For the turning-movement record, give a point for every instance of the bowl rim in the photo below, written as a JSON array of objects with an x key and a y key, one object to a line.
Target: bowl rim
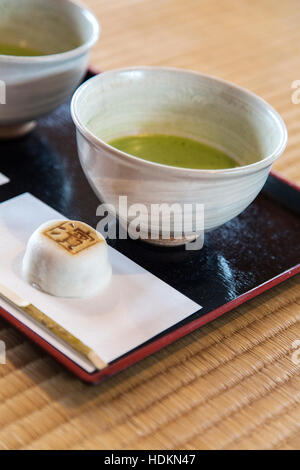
[
  {"x": 99, "y": 143},
  {"x": 66, "y": 55}
]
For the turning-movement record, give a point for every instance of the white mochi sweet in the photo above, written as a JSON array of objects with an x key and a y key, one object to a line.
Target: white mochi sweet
[{"x": 67, "y": 258}]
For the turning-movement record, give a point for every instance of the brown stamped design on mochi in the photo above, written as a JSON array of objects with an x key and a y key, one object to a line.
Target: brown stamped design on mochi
[{"x": 74, "y": 237}]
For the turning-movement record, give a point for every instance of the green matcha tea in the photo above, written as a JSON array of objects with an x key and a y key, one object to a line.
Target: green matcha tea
[
  {"x": 174, "y": 151},
  {"x": 11, "y": 49}
]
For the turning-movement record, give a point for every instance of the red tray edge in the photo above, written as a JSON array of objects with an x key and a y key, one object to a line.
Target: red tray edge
[
  {"x": 151, "y": 348},
  {"x": 282, "y": 178},
  {"x": 160, "y": 343}
]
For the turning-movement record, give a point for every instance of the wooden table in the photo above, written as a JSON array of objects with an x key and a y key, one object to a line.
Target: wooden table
[{"x": 233, "y": 383}]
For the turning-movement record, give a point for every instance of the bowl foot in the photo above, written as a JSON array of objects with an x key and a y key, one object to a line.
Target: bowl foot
[
  {"x": 16, "y": 131},
  {"x": 175, "y": 242}
]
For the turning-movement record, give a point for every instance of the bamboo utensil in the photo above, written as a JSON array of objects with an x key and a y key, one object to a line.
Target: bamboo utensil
[{"x": 51, "y": 326}]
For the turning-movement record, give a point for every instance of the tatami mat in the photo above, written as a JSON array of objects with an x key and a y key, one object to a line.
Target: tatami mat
[{"x": 233, "y": 383}]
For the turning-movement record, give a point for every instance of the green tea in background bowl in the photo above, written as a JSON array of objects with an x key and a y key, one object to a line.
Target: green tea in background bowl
[
  {"x": 174, "y": 151},
  {"x": 19, "y": 50}
]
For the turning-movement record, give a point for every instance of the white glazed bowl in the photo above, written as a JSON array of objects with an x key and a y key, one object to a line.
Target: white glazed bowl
[
  {"x": 185, "y": 103},
  {"x": 63, "y": 30}
]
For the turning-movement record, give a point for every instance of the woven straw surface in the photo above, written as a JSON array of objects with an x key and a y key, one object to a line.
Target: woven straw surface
[{"x": 232, "y": 384}]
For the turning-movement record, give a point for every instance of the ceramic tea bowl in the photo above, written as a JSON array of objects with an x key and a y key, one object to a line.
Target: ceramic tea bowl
[
  {"x": 64, "y": 32},
  {"x": 176, "y": 102}
]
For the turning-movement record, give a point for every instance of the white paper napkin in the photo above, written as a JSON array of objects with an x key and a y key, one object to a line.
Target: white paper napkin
[
  {"x": 135, "y": 306},
  {"x": 3, "y": 179}
]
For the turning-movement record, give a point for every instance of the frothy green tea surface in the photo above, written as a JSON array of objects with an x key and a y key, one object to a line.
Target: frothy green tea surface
[
  {"x": 174, "y": 151},
  {"x": 11, "y": 49}
]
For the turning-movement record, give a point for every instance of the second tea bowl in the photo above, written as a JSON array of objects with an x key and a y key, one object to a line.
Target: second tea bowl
[{"x": 32, "y": 86}]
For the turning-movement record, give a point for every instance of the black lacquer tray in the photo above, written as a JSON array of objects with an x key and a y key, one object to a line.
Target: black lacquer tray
[{"x": 241, "y": 259}]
